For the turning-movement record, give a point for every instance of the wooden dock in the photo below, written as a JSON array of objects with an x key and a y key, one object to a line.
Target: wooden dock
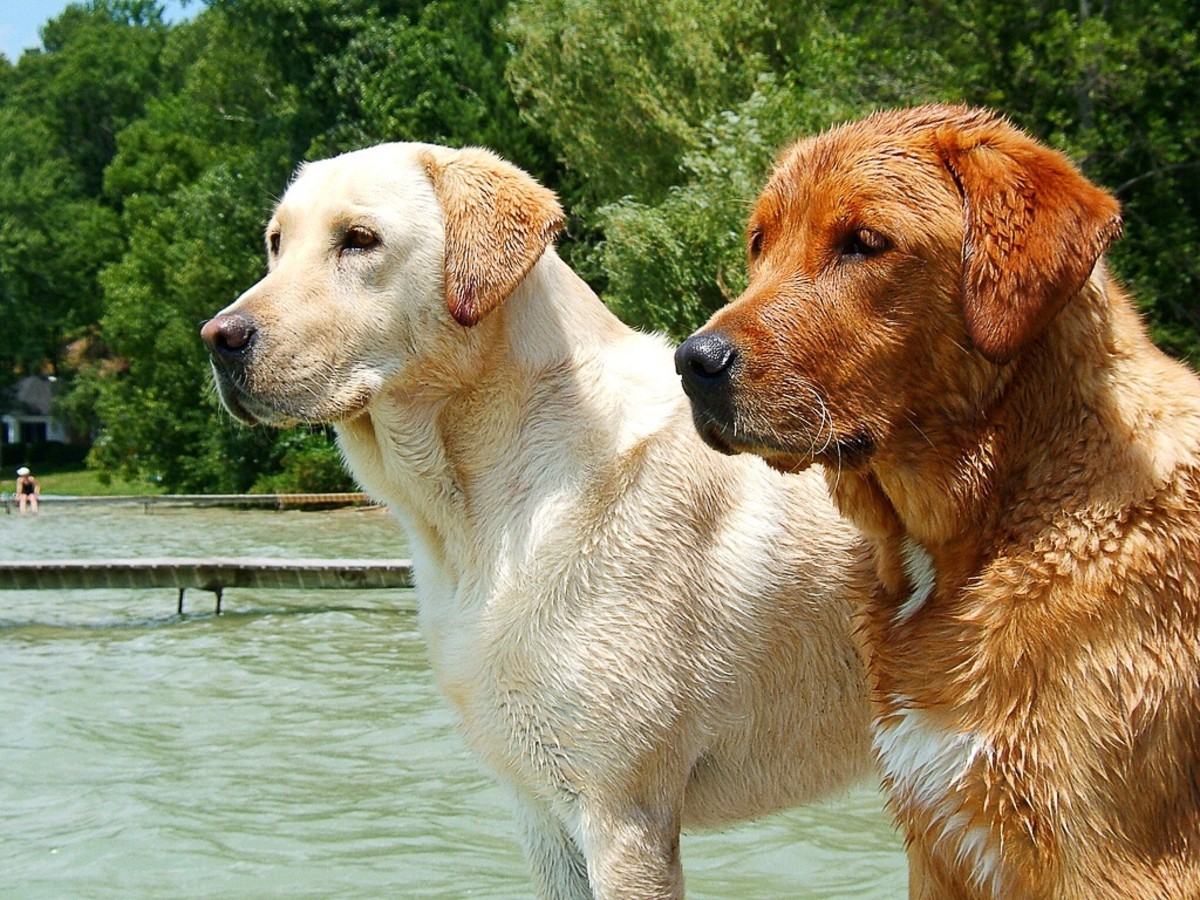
[
  {"x": 213, "y": 575},
  {"x": 149, "y": 502}
]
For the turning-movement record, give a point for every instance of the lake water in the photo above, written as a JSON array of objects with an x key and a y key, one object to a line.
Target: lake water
[{"x": 294, "y": 746}]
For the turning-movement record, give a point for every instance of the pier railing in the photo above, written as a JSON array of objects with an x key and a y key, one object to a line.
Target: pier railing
[
  {"x": 244, "y": 501},
  {"x": 213, "y": 575}
]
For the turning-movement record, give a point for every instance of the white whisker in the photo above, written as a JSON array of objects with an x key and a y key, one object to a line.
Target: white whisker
[{"x": 913, "y": 423}]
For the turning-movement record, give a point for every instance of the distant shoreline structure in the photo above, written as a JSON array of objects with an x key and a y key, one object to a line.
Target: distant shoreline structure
[{"x": 243, "y": 501}]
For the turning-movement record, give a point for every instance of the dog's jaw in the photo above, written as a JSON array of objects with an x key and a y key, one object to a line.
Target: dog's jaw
[
  {"x": 232, "y": 399},
  {"x": 253, "y": 408},
  {"x": 716, "y": 437}
]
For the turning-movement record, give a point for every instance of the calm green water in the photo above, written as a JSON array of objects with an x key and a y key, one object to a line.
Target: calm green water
[{"x": 294, "y": 746}]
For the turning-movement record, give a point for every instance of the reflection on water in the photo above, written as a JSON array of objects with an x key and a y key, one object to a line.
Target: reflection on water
[{"x": 293, "y": 747}]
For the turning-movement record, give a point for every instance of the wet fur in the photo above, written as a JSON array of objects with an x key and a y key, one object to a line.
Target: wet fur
[
  {"x": 1025, "y": 467},
  {"x": 637, "y": 633}
]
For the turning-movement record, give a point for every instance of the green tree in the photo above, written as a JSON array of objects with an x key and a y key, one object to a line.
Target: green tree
[
  {"x": 160, "y": 413},
  {"x": 98, "y": 66},
  {"x": 435, "y": 75},
  {"x": 676, "y": 146},
  {"x": 623, "y": 89},
  {"x": 673, "y": 115},
  {"x": 53, "y": 240},
  {"x": 195, "y": 178},
  {"x": 60, "y": 109}
]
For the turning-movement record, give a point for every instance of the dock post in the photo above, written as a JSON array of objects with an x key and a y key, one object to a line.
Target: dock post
[
  {"x": 181, "y": 590},
  {"x": 220, "y": 592}
]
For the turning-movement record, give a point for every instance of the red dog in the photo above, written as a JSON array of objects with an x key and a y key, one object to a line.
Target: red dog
[{"x": 930, "y": 318}]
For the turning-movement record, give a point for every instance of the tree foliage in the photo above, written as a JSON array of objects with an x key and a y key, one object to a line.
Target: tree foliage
[
  {"x": 139, "y": 160},
  {"x": 60, "y": 111}
]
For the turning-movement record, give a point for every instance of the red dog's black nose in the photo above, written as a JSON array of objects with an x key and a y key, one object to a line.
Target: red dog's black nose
[
  {"x": 229, "y": 335},
  {"x": 705, "y": 358}
]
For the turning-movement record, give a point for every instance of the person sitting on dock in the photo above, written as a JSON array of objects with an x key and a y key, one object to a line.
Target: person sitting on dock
[{"x": 28, "y": 491}]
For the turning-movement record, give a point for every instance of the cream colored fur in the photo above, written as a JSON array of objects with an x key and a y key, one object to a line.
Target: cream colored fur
[{"x": 636, "y": 632}]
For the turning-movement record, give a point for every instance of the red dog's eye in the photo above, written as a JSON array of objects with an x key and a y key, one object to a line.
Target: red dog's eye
[
  {"x": 863, "y": 242},
  {"x": 756, "y": 243}
]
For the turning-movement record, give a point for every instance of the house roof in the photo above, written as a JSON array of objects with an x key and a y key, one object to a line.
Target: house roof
[{"x": 31, "y": 396}]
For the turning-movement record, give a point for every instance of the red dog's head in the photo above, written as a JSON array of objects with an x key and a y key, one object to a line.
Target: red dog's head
[{"x": 897, "y": 264}]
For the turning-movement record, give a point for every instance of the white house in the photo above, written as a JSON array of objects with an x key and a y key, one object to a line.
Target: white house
[{"x": 29, "y": 408}]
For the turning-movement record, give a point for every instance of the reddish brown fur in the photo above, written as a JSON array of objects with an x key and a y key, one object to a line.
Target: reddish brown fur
[{"x": 990, "y": 394}]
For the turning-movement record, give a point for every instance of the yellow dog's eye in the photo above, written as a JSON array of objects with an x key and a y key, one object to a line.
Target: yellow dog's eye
[
  {"x": 863, "y": 242},
  {"x": 273, "y": 243},
  {"x": 357, "y": 239}
]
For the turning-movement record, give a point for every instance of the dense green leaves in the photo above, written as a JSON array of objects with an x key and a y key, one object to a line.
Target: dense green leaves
[
  {"x": 669, "y": 261},
  {"x": 436, "y": 76},
  {"x": 54, "y": 238},
  {"x": 99, "y": 67},
  {"x": 185, "y": 260},
  {"x": 139, "y": 161},
  {"x": 624, "y": 88}
]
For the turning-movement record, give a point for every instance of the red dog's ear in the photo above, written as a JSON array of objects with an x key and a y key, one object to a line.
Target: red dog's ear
[
  {"x": 1035, "y": 227},
  {"x": 498, "y": 223}
]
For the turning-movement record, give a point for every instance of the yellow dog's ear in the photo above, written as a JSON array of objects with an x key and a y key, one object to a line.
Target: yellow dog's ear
[
  {"x": 498, "y": 223},
  {"x": 1035, "y": 227}
]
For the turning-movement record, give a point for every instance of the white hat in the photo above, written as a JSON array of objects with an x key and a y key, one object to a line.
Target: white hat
[{"x": 22, "y": 471}]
